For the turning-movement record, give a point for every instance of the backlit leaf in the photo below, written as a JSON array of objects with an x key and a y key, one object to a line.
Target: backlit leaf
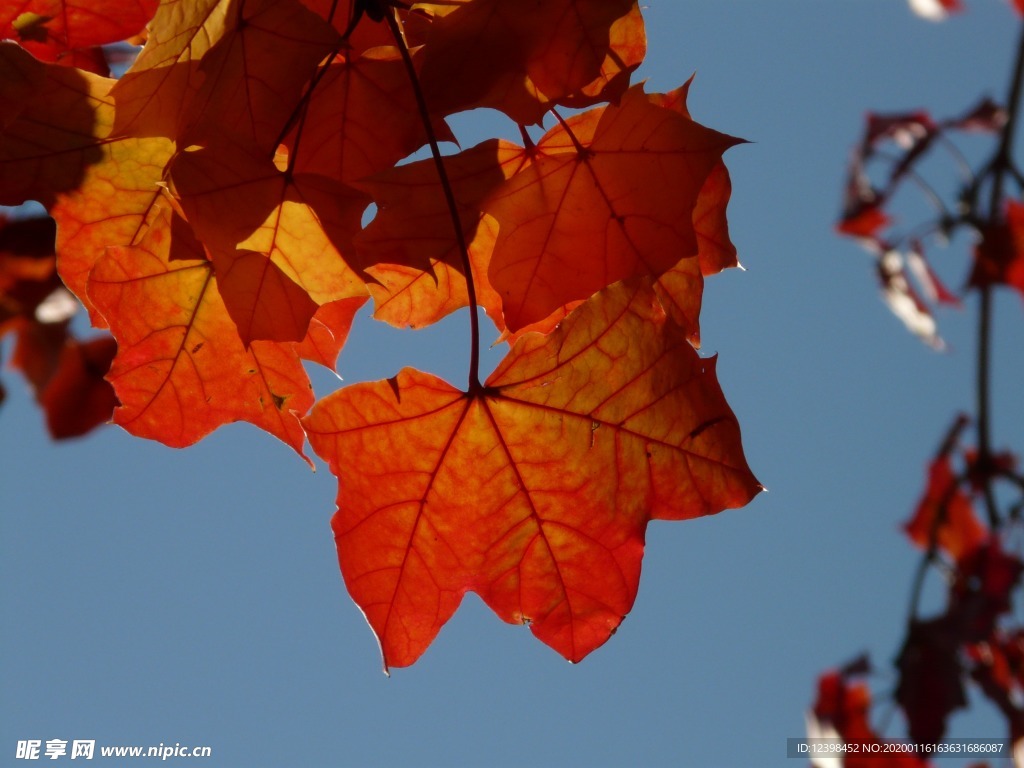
[
  {"x": 572, "y": 222},
  {"x": 523, "y": 57},
  {"x": 302, "y": 223},
  {"x": 339, "y": 133},
  {"x": 181, "y": 369},
  {"x": 59, "y": 151},
  {"x": 410, "y": 246},
  {"x": 534, "y": 491}
]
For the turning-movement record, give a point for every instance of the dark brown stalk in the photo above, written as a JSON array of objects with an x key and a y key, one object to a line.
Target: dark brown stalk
[
  {"x": 1000, "y": 165},
  {"x": 449, "y": 196}
]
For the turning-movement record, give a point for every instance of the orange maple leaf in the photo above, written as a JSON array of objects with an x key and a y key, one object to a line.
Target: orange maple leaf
[
  {"x": 410, "y": 247},
  {"x": 339, "y": 132},
  {"x": 181, "y": 369},
  {"x": 609, "y": 196},
  {"x": 206, "y": 66},
  {"x": 536, "y": 490},
  {"x": 300, "y": 225},
  {"x": 209, "y": 208},
  {"x": 58, "y": 148}
]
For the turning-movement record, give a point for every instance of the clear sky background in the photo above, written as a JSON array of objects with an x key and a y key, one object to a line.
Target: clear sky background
[{"x": 150, "y": 595}]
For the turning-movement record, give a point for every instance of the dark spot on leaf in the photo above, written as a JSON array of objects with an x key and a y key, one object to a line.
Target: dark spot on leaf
[
  {"x": 393, "y": 383},
  {"x": 706, "y": 425}
]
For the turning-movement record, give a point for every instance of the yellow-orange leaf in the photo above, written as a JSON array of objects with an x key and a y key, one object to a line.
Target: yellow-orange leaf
[
  {"x": 152, "y": 96},
  {"x": 59, "y": 151},
  {"x": 238, "y": 201},
  {"x": 535, "y": 490},
  {"x": 181, "y": 369}
]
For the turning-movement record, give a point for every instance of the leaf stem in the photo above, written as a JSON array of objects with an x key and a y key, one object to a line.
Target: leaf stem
[
  {"x": 583, "y": 151},
  {"x": 449, "y": 196}
]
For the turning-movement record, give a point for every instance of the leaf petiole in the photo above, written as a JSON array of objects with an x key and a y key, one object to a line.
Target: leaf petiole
[{"x": 449, "y": 196}]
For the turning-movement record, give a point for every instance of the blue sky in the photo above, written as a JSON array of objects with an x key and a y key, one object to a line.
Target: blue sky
[{"x": 151, "y": 595}]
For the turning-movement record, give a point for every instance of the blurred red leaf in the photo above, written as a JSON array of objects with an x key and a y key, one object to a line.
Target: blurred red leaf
[
  {"x": 842, "y": 709},
  {"x": 982, "y": 590},
  {"x": 77, "y": 398},
  {"x": 936, "y": 10},
  {"x": 930, "y": 684},
  {"x": 999, "y": 256},
  {"x": 945, "y": 515}
]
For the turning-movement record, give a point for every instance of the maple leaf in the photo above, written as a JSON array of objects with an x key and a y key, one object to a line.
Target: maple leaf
[
  {"x": 341, "y": 14},
  {"x": 281, "y": 254},
  {"x": 27, "y": 266},
  {"x": 534, "y": 491},
  {"x": 49, "y": 130},
  {"x": 181, "y": 368},
  {"x": 244, "y": 92},
  {"x": 410, "y": 247},
  {"x": 208, "y": 208},
  {"x": 608, "y": 196},
  {"x": 65, "y": 373},
  {"x": 680, "y": 289},
  {"x": 981, "y": 593},
  {"x": 930, "y": 677},
  {"x": 339, "y": 133},
  {"x": 58, "y": 149},
  {"x": 328, "y": 331},
  {"x": 523, "y": 58},
  {"x": 77, "y": 397}
]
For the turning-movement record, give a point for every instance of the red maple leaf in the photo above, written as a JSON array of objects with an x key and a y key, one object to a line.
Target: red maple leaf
[
  {"x": 65, "y": 373},
  {"x": 442, "y": 491}
]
